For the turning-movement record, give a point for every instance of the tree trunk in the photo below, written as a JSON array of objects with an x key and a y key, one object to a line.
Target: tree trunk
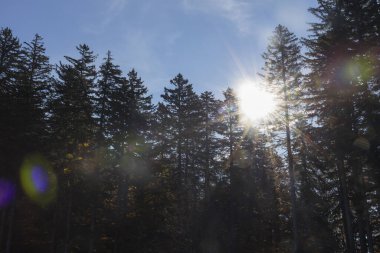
[
  {"x": 10, "y": 227},
  {"x": 292, "y": 186},
  {"x": 346, "y": 211},
  {"x": 2, "y": 226},
  {"x": 232, "y": 214},
  {"x": 123, "y": 192},
  {"x": 293, "y": 196},
  {"x": 207, "y": 169},
  {"x": 54, "y": 227},
  {"x": 68, "y": 223},
  {"x": 92, "y": 229},
  {"x": 290, "y": 154},
  {"x": 369, "y": 234}
]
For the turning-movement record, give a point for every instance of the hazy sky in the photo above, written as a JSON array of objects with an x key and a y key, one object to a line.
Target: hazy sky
[{"x": 213, "y": 43}]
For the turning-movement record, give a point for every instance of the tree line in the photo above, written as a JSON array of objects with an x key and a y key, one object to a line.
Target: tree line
[{"x": 88, "y": 163}]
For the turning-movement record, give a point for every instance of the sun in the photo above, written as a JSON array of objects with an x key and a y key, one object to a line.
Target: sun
[{"x": 255, "y": 103}]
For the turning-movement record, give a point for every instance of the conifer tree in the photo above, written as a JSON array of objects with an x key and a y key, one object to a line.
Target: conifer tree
[
  {"x": 231, "y": 132},
  {"x": 110, "y": 79},
  {"x": 34, "y": 84},
  {"x": 180, "y": 114},
  {"x": 282, "y": 72},
  {"x": 10, "y": 66},
  {"x": 231, "y": 129},
  {"x": 73, "y": 128},
  {"x": 129, "y": 125},
  {"x": 209, "y": 143},
  {"x": 72, "y": 109},
  {"x": 339, "y": 78}
]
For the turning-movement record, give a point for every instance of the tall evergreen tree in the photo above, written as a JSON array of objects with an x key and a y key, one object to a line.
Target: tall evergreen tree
[
  {"x": 72, "y": 109},
  {"x": 33, "y": 89},
  {"x": 73, "y": 128},
  {"x": 209, "y": 142},
  {"x": 110, "y": 79},
  {"x": 340, "y": 83},
  {"x": 231, "y": 132},
  {"x": 10, "y": 66},
  {"x": 180, "y": 115},
  {"x": 282, "y": 71},
  {"x": 129, "y": 126}
]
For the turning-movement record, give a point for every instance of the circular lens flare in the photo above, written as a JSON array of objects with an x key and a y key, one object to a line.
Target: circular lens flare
[
  {"x": 255, "y": 103},
  {"x": 38, "y": 180},
  {"x": 7, "y": 191}
]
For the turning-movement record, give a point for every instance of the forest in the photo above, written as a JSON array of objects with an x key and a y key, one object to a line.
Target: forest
[{"x": 88, "y": 163}]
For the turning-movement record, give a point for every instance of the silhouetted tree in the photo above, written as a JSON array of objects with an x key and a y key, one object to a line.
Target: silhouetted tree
[{"x": 282, "y": 72}]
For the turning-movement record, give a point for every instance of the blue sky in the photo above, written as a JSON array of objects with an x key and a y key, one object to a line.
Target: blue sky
[{"x": 213, "y": 43}]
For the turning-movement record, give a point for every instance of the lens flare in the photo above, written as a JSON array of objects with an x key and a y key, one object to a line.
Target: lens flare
[
  {"x": 38, "y": 180},
  {"x": 7, "y": 191}
]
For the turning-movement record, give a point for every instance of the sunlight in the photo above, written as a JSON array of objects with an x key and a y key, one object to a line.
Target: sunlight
[{"x": 255, "y": 103}]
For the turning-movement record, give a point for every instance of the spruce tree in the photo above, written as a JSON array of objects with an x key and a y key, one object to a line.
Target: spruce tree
[
  {"x": 129, "y": 126},
  {"x": 10, "y": 159},
  {"x": 73, "y": 128},
  {"x": 10, "y": 66},
  {"x": 34, "y": 85},
  {"x": 209, "y": 143},
  {"x": 339, "y": 85},
  {"x": 110, "y": 79},
  {"x": 231, "y": 132},
  {"x": 72, "y": 108},
  {"x": 282, "y": 72},
  {"x": 180, "y": 116}
]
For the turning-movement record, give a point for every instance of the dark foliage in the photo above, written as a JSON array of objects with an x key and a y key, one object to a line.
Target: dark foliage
[{"x": 89, "y": 164}]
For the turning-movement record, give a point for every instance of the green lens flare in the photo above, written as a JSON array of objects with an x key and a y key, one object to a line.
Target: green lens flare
[{"x": 38, "y": 180}]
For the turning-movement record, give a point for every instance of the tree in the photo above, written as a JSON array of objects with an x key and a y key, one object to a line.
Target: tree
[
  {"x": 110, "y": 79},
  {"x": 73, "y": 128},
  {"x": 34, "y": 84},
  {"x": 340, "y": 84},
  {"x": 179, "y": 113},
  {"x": 129, "y": 126},
  {"x": 72, "y": 108},
  {"x": 282, "y": 71},
  {"x": 231, "y": 132},
  {"x": 209, "y": 142},
  {"x": 10, "y": 65}
]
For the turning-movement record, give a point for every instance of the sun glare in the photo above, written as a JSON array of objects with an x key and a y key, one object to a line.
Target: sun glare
[{"x": 255, "y": 103}]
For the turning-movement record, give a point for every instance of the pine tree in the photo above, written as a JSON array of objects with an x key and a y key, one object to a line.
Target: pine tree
[
  {"x": 110, "y": 79},
  {"x": 339, "y": 83},
  {"x": 131, "y": 108},
  {"x": 259, "y": 196},
  {"x": 129, "y": 126},
  {"x": 315, "y": 191},
  {"x": 282, "y": 72},
  {"x": 34, "y": 84},
  {"x": 10, "y": 65},
  {"x": 209, "y": 149},
  {"x": 176, "y": 106},
  {"x": 231, "y": 132},
  {"x": 72, "y": 108},
  {"x": 73, "y": 128},
  {"x": 180, "y": 116},
  {"x": 103, "y": 182},
  {"x": 10, "y": 59}
]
